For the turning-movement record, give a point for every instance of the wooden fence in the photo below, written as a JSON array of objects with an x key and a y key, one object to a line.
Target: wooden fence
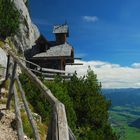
[
  {"x": 48, "y": 74},
  {"x": 58, "y": 129}
]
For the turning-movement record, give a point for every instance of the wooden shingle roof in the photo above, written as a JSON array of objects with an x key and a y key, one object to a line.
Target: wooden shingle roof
[
  {"x": 56, "y": 51},
  {"x": 58, "y": 29}
]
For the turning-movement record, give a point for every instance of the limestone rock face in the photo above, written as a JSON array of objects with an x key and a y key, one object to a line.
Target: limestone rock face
[
  {"x": 28, "y": 32},
  {"x": 3, "y": 58}
]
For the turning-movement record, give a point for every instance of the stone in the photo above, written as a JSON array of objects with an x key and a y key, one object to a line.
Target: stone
[
  {"x": 3, "y": 58},
  {"x": 3, "y": 90},
  {"x": 36, "y": 117},
  {"x": 25, "y": 137},
  {"x": 25, "y": 1},
  {"x": 21, "y": 105}
]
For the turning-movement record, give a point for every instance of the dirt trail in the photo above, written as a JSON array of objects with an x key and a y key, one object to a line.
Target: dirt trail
[{"x": 6, "y": 120}]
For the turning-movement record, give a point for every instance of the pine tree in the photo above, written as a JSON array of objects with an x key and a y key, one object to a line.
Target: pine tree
[{"x": 91, "y": 108}]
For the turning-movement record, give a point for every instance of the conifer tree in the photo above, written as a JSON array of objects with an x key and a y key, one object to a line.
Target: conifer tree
[{"x": 91, "y": 108}]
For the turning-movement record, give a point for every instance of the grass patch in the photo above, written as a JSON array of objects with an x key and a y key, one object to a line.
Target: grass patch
[
  {"x": 26, "y": 125},
  {"x": 42, "y": 128}
]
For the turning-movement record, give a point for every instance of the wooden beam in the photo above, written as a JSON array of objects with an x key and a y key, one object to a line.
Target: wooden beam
[
  {"x": 10, "y": 93},
  {"x": 29, "y": 114},
  {"x": 54, "y": 71},
  {"x": 51, "y": 75},
  {"x": 74, "y": 63},
  {"x": 58, "y": 129},
  {"x": 61, "y": 122},
  {"x": 71, "y": 135},
  {"x": 8, "y": 66},
  {"x": 18, "y": 116},
  {"x": 34, "y": 64}
]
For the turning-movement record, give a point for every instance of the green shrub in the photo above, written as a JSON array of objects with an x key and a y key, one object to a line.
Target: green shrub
[
  {"x": 40, "y": 103},
  {"x": 59, "y": 90},
  {"x": 91, "y": 108},
  {"x": 36, "y": 98},
  {"x": 9, "y": 18},
  {"x": 26, "y": 125}
]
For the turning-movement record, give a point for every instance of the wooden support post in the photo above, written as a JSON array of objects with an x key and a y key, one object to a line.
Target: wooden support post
[
  {"x": 62, "y": 123},
  {"x": 10, "y": 93},
  {"x": 18, "y": 116},
  {"x": 29, "y": 114},
  {"x": 59, "y": 127},
  {"x": 71, "y": 135},
  {"x": 41, "y": 75},
  {"x": 7, "y": 69}
]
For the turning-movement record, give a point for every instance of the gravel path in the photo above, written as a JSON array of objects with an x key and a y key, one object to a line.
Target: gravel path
[{"x": 6, "y": 119}]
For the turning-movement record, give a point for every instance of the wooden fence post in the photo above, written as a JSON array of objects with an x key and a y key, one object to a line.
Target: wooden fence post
[
  {"x": 10, "y": 93},
  {"x": 59, "y": 127},
  {"x": 71, "y": 135},
  {"x": 28, "y": 111},
  {"x": 7, "y": 69},
  {"x": 18, "y": 116}
]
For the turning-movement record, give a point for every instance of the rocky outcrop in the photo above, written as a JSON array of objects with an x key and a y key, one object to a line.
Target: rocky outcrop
[
  {"x": 3, "y": 58},
  {"x": 28, "y": 32}
]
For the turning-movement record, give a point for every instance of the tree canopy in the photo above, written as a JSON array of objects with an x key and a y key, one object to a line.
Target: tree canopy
[{"x": 91, "y": 108}]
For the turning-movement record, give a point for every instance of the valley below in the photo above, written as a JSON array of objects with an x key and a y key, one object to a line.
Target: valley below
[{"x": 125, "y": 112}]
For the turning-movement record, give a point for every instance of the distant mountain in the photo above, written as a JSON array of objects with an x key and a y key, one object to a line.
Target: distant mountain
[
  {"x": 121, "y": 90},
  {"x": 123, "y": 97}
]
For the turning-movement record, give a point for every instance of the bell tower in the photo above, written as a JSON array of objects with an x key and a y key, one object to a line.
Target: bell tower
[{"x": 61, "y": 33}]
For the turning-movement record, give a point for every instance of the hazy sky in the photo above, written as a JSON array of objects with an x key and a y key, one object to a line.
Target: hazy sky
[{"x": 106, "y": 31}]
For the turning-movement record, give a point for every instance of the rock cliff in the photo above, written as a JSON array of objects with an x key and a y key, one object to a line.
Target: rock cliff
[
  {"x": 28, "y": 32},
  {"x": 3, "y": 58}
]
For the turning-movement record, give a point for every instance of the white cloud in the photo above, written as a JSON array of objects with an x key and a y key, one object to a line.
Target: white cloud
[
  {"x": 90, "y": 18},
  {"x": 136, "y": 65},
  {"x": 111, "y": 75}
]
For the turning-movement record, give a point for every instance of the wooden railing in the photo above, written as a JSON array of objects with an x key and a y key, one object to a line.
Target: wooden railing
[
  {"x": 46, "y": 73},
  {"x": 58, "y": 129}
]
